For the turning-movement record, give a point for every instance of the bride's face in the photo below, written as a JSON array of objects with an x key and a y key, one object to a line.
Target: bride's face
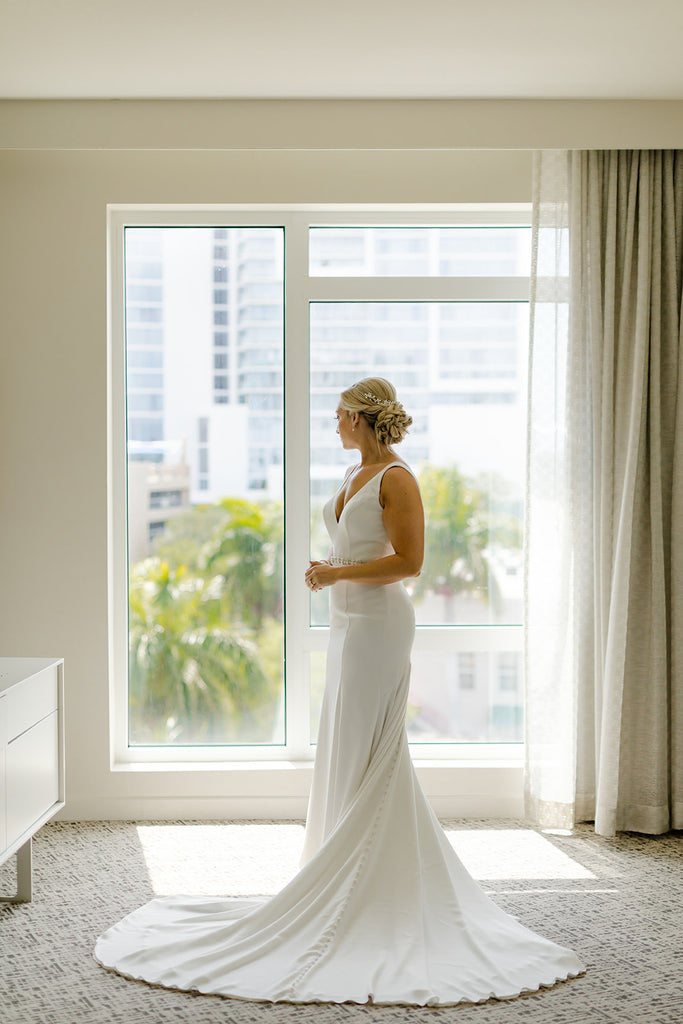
[{"x": 345, "y": 427}]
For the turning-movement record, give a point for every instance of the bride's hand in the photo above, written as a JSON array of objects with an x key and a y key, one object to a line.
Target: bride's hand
[{"x": 319, "y": 575}]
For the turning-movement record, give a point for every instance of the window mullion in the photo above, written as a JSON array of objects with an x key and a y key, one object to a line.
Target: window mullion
[
  {"x": 420, "y": 289},
  {"x": 118, "y": 526},
  {"x": 297, "y": 461},
  {"x": 469, "y": 638}
]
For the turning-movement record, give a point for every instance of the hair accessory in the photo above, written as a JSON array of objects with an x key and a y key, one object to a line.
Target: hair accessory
[{"x": 377, "y": 401}]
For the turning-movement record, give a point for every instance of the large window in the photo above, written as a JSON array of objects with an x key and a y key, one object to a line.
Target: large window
[{"x": 225, "y": 452}]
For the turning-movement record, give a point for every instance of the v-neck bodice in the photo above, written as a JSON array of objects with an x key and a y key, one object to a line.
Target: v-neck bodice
[
  {"x": 380, "y": 473},
  {"x": 359, "y": 534}
]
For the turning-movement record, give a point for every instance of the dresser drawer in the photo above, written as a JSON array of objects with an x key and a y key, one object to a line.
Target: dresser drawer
[
  {"x": 30, "y": 700},
  {"x": 32, "y": 775}
]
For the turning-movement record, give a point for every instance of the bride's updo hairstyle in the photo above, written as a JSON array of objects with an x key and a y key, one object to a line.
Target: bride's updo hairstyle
[{"x": 375, "y": 399}]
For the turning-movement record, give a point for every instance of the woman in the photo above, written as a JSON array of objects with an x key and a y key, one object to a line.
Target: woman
[
  {"x": 377, "y": 542},
  {"x": 382, "y": 909}
]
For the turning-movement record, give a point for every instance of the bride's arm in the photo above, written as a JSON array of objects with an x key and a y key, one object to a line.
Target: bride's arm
[{"x": 404, "y": 522}]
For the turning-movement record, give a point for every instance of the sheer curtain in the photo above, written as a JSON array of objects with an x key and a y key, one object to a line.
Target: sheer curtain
[{"x": 604, "y": 560}]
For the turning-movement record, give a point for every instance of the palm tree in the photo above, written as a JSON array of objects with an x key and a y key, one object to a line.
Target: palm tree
[
  {"x": 456, "y": 539},
  {"x": 205, "y": 629},
  {"x": 192, "y": 677},
  {"x": 246, "y": 549}
]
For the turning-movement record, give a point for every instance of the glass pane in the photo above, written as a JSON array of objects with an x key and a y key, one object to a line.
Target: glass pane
[
  {"x": 460, "y": 371},
  {"x": 205, "y": 485},
  {"x": 317, "y": 685},
  {"x": 466, "y": 697},
  {"x": 420, "y": 252},
  {"x": 455, "y": 697}
]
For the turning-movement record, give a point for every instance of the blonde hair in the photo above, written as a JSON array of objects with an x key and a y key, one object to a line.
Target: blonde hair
[{"x": 375, "y": 399}]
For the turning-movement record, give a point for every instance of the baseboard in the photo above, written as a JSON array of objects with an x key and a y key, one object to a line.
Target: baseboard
[{"x": 455, "y": 790}]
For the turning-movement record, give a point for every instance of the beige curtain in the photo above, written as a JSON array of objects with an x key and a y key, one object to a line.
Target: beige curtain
[{"x": 604, "y": 562}]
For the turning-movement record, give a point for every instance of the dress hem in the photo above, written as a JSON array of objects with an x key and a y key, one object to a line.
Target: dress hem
[{"x": 427, "y": 1004}]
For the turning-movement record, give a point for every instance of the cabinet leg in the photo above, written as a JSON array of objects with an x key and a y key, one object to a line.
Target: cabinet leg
[
  {"x": 24, "y": 875},
  {"x": 25, "y": 872}
]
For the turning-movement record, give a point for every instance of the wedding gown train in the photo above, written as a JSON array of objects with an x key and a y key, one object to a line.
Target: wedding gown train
[{"x": 382, "y": 909}]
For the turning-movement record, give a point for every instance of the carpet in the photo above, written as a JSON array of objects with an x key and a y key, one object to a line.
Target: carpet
[{"x": 618, "y": 903}]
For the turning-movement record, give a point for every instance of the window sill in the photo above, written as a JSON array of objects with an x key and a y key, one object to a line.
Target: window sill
[{"x": 192, "y": 767}]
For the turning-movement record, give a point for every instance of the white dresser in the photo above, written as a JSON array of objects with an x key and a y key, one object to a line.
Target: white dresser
[{"x": 31, "y": 757}]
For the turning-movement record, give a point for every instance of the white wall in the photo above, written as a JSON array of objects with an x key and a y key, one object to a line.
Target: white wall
[{"x": 61, "y": 168}]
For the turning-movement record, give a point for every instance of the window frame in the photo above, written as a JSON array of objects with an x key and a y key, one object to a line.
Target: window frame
[{"x": 300, "y": 289}]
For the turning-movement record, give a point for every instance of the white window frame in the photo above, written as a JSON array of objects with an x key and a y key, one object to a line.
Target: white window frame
[{"x": 300, "y": 290}]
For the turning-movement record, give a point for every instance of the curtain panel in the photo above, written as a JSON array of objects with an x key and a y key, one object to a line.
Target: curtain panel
[{"x": 604, "y": 556}]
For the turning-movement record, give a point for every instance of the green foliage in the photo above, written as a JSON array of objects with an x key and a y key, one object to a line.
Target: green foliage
[
  {"x": 246, "y": 549},
  {"x": 470, "y": 524},
  {"x": 205, "y": 628},
  {"x": 184, "y": 536},
  {"x": 457, "y": 535}
]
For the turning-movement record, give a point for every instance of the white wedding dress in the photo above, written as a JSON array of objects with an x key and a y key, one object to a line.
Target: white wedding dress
[{"x": 382, "y": 909}]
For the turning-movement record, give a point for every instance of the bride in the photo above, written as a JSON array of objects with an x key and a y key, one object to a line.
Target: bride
[{"x": 382, "y": 909}]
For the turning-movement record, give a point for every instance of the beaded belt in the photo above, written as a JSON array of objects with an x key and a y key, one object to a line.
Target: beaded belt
[{"x": 333, "y": 560}]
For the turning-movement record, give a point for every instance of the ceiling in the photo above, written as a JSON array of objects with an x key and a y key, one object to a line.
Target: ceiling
[{"x": 100, "y": 49}]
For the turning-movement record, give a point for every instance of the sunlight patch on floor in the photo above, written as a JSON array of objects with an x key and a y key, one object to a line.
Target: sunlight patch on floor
[
  {"x": 236, "y": 860},
  {"x": 512, "y": 853},
  {"x": 259, "y": 859}
]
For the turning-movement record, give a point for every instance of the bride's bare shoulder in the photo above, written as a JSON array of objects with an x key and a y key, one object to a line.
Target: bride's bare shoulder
[{"x": 399, "y": 486}]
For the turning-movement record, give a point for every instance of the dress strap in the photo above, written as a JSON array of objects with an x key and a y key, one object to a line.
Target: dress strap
[
  {"x": 390, "y": 466},
  {"x": 347, "y": 474}
]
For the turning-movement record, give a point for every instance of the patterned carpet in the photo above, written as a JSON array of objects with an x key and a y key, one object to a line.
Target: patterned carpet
[{"x": 617, "y": 902}]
